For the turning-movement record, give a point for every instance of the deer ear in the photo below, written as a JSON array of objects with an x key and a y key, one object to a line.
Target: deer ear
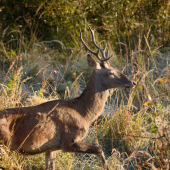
[{"x": 92, "y": 62}]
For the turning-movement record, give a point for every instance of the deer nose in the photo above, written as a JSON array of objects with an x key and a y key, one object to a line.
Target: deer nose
[{"x": 134, "y": 83}]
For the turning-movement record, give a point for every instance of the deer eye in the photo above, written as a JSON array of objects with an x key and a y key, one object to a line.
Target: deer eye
[{"x": 111, "y": 73}]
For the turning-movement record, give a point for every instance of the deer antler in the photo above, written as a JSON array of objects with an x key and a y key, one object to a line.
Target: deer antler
[
  {"x": 104, "y": 52},
  {"x": 87, "y": 48}
]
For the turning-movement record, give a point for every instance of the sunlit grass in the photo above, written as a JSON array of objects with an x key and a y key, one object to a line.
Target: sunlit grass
[{"x": 134, "y": 128}]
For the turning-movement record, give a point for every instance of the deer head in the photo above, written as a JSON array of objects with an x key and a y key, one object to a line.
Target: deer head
[{"x": 109, "y": 77}]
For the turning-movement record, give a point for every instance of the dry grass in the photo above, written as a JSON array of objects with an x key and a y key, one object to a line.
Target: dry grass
[{"x": 134, "y": 129}]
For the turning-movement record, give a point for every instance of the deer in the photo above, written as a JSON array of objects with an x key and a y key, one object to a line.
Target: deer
[{"x": 62, "y": 124}]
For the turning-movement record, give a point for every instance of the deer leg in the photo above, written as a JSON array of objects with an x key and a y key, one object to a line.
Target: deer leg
[
  {"x": 80, "y": 147},
  {"x": 50, "y": 160}
]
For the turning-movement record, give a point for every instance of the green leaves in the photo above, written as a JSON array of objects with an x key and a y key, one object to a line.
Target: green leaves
[
  {"x": 153, "y": 128},
  {"x": 59, "y": 19}
]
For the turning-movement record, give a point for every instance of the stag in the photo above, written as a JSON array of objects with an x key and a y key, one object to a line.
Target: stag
[{"x": 62, "y": 124}]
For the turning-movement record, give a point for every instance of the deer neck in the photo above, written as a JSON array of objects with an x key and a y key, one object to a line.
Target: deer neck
[{"x": 93, "y": 99}]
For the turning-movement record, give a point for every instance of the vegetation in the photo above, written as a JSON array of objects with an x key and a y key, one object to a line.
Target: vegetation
[{"x": 41, "y": 59}]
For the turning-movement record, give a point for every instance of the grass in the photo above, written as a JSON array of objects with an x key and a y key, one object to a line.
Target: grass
[{"x": 134, "y": 128}]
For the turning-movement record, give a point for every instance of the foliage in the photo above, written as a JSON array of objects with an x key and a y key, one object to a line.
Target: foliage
[{"x": 117, "y": 21}]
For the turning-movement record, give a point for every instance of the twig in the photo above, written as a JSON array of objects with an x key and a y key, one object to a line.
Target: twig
[{"x": 143, "y": 136}]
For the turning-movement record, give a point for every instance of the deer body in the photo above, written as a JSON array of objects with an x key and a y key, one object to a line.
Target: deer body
[
  {"x": 53, "y": 121},
  {"x": 62, "y": 124}
]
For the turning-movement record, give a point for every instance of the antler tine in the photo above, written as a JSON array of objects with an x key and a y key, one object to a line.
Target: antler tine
[
  {"x": 104, "y": 52},
  {"x": 87, "y": 48},
  {"x": 93, "y": 38}
]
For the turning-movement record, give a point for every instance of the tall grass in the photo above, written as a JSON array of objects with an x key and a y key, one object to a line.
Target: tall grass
[{"x": 134, "y": 128}]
